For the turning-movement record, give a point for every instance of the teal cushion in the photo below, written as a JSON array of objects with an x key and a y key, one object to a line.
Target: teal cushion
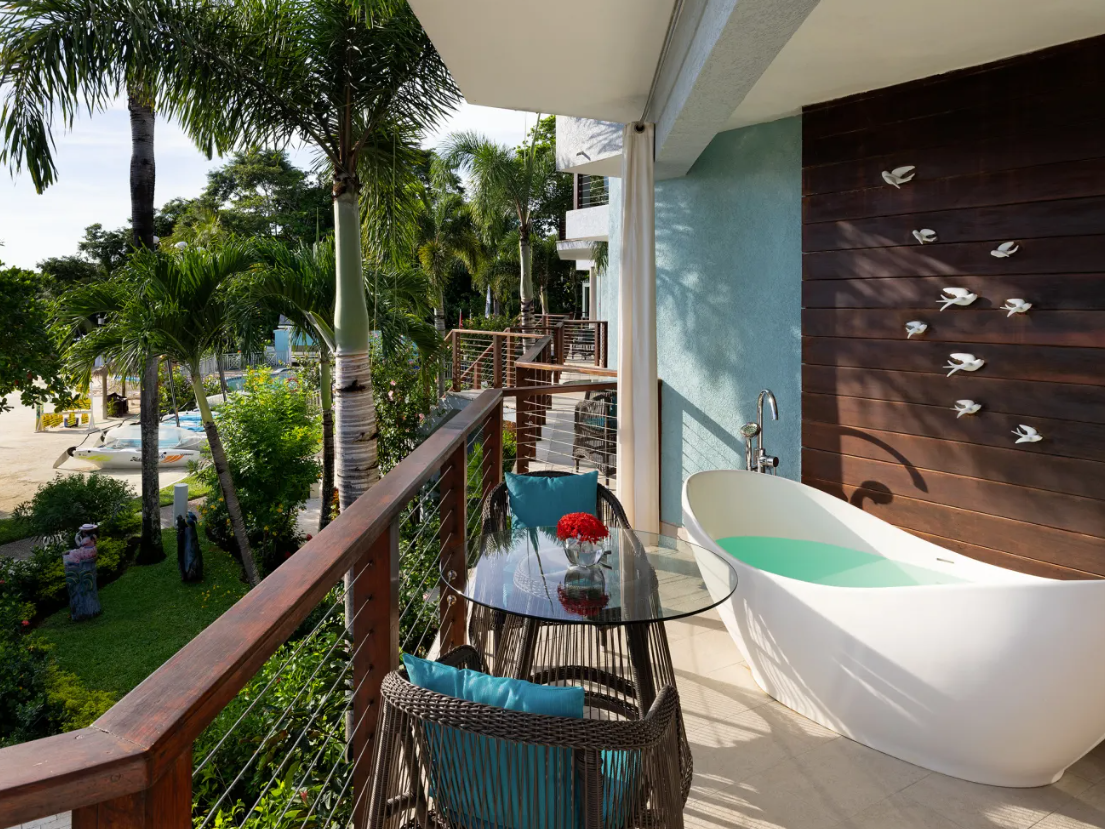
[
  {"x": 498, "y": 691},
  {"x": 492, "y": 784},
  {"x": 541, "y": 502}
]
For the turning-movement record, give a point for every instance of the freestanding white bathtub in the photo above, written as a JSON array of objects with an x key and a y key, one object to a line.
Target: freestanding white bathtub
[{"x": 999, "y": 679}]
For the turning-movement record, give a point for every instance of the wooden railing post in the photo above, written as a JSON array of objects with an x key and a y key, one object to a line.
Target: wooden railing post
[
  {"x": 456, "y": 362},
  {"x": 497, "y": 357},
  {"x": 524, "y": 436},
  {"x": 595, "y": 344},
  {"x": 492, "y": 472},
  {"x": 510, "y": 378},
  {"x": 476, "y": 384},
  {"x": 453, "y": 535},
  {"x": 167, "y": 804},
  {"x": 375, "y": 648}
]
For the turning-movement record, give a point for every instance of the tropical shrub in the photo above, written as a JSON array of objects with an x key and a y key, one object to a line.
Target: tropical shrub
[
  {"x": 40, "y": 579},
  {"x": 296, "y": 727},
  {"x": 63, "y": 504},
  {"x": 404, "y": 399},
  {"x": 271, "y": 437},
  {"x": 500, "y": 322},
  {"x": 37, "y": 699}
]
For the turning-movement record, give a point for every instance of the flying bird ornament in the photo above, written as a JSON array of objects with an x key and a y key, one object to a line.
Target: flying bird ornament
[
  {"x": 961, "y": 361},
  {"x": 966, "y": 407},
  {"x": 1016, "y": 306},
  {"x": 925, "y": 236},
  {"x": 1026, "y": 434},
  {"x": 1005, "y": 250},
  {"x": 899, "y": 176},
  {"x": 915, "y": 327},
  {"x": 956, "y": 296}
]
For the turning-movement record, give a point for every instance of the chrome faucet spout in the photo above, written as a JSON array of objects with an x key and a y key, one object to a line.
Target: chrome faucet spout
[{"x": 761, "y": 462}]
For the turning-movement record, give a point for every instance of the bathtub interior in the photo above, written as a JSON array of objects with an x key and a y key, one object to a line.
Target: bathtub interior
[{"x": 726, "y": 503}]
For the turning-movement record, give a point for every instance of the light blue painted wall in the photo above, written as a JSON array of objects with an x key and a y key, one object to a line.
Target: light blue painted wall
[{"x": 728, "y": 297}]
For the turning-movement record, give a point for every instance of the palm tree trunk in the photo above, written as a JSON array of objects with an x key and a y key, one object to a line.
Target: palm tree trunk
[
  {"x": 142, "y": 180},
  {"x": 544, "y": 300},
  {"x": 356, "y": 467},
  {"x": 226, "y": 483},
  {"x": 525, "y": 292},
  {"x": 487, "y": 303},
  {"x": 222, "y": 374},
  {"x": 150, "y": 548},
  {"x": 326, "y": 383}
]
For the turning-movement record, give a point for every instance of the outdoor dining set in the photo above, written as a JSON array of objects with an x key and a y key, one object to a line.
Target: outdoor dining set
[{"x": 563, "y": 710}]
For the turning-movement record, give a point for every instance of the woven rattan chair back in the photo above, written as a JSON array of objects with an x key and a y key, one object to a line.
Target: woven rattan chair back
[{"x": 446, "y": 762}]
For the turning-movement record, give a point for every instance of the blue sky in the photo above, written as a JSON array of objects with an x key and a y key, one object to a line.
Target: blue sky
[{"x": 94, "y": 166}]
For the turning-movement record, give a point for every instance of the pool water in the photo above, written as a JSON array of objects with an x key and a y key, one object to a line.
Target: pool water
[{"x": 828, "y": 564}]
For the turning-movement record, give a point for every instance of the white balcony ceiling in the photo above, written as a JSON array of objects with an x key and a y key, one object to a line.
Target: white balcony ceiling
[
  {"x": 850, "y": 46},
  {"x": 571, "y": 57}
]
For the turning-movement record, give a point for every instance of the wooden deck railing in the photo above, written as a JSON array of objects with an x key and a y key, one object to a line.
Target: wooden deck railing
[
  {"x": 549, "y": 397},
  {"x": 486, "y": 359},
  {"x": 132, "y": 769}
]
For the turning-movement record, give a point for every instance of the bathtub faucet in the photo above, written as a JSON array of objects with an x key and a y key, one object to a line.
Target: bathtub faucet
[{"x": 761, "y": 461}]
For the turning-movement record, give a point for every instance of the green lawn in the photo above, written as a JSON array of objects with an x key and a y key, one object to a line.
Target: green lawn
[
  {"x": 149, "y": 614},
  {"x": 195, "y": 490},
  {"x": 11, "y": 530}
]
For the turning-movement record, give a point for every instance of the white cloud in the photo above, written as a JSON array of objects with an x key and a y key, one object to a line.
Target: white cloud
[{"x": 94, "y": 168}]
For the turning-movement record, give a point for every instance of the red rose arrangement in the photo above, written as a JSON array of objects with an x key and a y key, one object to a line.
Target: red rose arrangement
[{"x": 581, "y": 526}]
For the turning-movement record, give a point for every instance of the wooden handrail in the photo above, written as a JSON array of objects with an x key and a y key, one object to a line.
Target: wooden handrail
[
  {"x": 571, "y": 367},
  {"x": 563, "y": 388},
  {"x": 496, "y": 333},
  {"x": 145, "y": 735}
]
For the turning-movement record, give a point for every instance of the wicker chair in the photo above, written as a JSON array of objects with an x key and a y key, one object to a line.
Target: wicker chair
[
  {"x": 445, "y": 762},
  {"x": 593, "y": 656},
  {"x": 594, "y": 432}
]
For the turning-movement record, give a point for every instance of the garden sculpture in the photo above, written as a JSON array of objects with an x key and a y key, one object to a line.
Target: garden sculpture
[
  {"x": 189, "y": 556},
  {"x": 80, "y": 574}
]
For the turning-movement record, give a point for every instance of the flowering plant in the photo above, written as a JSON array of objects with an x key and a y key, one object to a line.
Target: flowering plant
[{"x": 581, "y": 526}]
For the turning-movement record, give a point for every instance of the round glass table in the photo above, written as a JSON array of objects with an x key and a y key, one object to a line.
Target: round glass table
[{"x": 540, "y": 615}]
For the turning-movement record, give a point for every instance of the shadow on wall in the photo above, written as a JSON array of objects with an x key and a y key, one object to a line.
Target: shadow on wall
[{"x": 728, "y": 284}]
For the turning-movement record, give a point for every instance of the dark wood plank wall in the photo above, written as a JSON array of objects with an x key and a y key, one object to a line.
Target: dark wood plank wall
[{"x": 1010, "y": 151}]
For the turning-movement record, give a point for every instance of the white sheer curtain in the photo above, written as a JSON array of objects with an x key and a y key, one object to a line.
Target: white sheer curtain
[{"x": 638, "y": 455}]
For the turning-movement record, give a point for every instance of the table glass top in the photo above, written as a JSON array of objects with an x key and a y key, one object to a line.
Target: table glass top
[{"x": 639, "y": 577}]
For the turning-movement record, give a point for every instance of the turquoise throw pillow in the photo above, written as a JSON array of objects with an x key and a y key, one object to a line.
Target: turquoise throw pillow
[
  {"x": 498, "y": 691},
  {"x": 492, "y": 784},
  {"x": 541, "y": 502}
]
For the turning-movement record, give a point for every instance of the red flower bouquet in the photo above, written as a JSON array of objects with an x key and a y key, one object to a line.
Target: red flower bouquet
[{"x": 581, "y": 527}]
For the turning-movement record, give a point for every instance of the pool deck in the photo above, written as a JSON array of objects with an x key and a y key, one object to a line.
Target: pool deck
[{"x": 760, "y": 765}]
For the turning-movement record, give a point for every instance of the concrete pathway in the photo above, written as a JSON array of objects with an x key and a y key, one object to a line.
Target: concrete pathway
[{"x": 63, "y": 821}]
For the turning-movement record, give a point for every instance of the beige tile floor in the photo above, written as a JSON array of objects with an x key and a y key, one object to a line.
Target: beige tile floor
[{"x": 759, "y": 765}]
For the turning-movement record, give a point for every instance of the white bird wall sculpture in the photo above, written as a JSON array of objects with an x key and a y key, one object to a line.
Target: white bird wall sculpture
[
  {"x": 1005, "y": 250},
  {"x": 956, "y": 296},
  {"x": 915, "y": 327},
  {"x": 899, "y": 176},
  {"x": 1026, "y": 434},
  {"x": 1016, "y": 306},
  {"x": 925, "y": 236},
  {"x": 966, "y": 407},
  {"x": 961, "y": 361}
]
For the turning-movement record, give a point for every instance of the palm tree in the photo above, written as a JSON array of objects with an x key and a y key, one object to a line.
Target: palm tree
[
  {"x": 176, "y": 305},
  {"x": 506, "y": 179},
  {"x": 48, "y": 72},
  {"x": 357, "y": 82},
  {"x": 448, "y": 243},
  {"x": 298, "y": 282}
]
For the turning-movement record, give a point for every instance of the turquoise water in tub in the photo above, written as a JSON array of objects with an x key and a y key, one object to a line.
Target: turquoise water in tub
[{"x": 828, "y": 564}]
